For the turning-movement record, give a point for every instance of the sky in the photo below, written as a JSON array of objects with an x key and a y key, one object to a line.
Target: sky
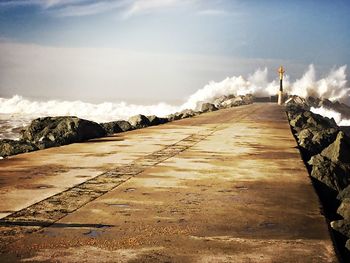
[{"x": 147, "y": 51}]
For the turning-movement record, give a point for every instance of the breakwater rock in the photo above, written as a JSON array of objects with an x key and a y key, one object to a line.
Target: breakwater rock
[
  {"x": 12, "y": 147},
  {"x": 56, "y": 131},
  {"x": 325, "y": 148}
]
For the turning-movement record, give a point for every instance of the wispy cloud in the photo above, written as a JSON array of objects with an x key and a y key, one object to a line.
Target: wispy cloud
[
  {"x": 44, "y": 4},
  {"x": 212, "y": 12},
  {"x": 147, "y": 6},
  {"x": 86, "y": 9},
  {"x": 126, "y": 8}
]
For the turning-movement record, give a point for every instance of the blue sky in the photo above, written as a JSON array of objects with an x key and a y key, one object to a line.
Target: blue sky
[{"x": 161, "y": 49}]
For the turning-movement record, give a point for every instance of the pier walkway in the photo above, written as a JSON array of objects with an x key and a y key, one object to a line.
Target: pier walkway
[{"x": 225, "y": 186}]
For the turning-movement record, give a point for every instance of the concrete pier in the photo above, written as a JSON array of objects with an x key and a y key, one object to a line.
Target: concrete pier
[{"x": 226, "y": 186}]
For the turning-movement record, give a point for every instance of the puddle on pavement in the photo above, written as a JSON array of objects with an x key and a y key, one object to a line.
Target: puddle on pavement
[
  {"x": 268, "y": 225},
  {"x": 96, "y": 232},
  {"x": 241, "y": 187},
  {"x": 44, "y": 187},
  {"x": 130, "y": 189},
  {"x": 93, "y": 233}
]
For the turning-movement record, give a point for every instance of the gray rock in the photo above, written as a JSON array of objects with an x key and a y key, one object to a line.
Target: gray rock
[
  {"x": 154, "y": 120},
  {"x": 233, "y": 102},
  {"x": 312, "y": 101},
  {"x": 188, "y": 113},
  {"x": 248, "y": 99},
  {"x": 342, "y": 226},
  {"x": 182, "y": 115},
  {"x": 347, "y": 244},
  {"x": 11, "y": 147},
  {"x": 218, "y": 101},
  {"x": 237, "y": 101},
  {"x": 55, "y": 131},
  {"x": 139, "y": 121},
  {"x": 339, "y": 150},
  {"x": 345, "y": 193},
  {"x": 325, "y": 103},
  {"x": 297, "y": 101},
  {"x": 170, "y": 117},
  {"x": 297, "y": 122},
  {"x": 313, "y": 131},
  {"x": 124, "y": 125},
  {"x": 111, "y": 127},
  {"x": 344, "y": 209},
  {"x": 207, "y": 107},
  {"x": 335, "y": 176},
  {"x": 315, "y": 140}
]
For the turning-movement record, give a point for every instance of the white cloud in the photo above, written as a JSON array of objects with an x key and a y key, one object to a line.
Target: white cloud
[{"x": 212, "y": 12}]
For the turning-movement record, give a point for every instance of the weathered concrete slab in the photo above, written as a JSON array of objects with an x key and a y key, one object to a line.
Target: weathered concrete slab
[{"x": 227, "y": 186}]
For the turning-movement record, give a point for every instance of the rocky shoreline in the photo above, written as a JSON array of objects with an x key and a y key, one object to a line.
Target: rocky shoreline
[
  {"x": 325, "y": 148},
  {"x": 48, "y": 132}
]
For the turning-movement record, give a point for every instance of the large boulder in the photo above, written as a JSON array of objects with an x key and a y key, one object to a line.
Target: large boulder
[
  {"x": 154, "y": 120},
  {"x": 187, "y": 113},
  {"x": 55, "y": 131},
  {"x": 248, "y": 99},
  {"x": 171, "y": 117},
  {"x": 139, "y": 121},
  {"x": 345, "y": 193},
  {"x": 344, "y": 209},
  {"x": 342, "y": 226},
  {"x": 218, "y": 101},
  {"x": 207, "y": 107},
  {"x": 332, "y": 165},
  {"x": 111, "y": 127},
  {"x": 124, "y": 125},
  {"x": 302, "y": 119},
  {"x": 11, "y": 147},
  {"x": 233, "y": 102},
  {"x": 314, "y": 132},
  {"x": 315, "y": 140},
  {"x": 312, "y": 101},
  {"x": 339, "y": 150},
  {"x": 347, "y": 244},
  {"x": 335, "y": 176},
  {"x": 297, "y": 101}
]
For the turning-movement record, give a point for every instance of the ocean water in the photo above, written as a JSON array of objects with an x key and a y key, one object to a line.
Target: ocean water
[{"x": 12, "y": 124}]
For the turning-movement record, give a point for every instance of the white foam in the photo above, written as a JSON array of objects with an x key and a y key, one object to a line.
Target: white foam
[
  {"x": 333, "y": 87},
  {"x": 331, "y": 114},
  {"x": 101, "y": 112}
]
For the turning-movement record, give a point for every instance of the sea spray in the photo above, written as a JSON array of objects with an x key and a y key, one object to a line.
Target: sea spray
[
  {"x": 329, "y": 113},
  {"x": 332, "y": 87}
]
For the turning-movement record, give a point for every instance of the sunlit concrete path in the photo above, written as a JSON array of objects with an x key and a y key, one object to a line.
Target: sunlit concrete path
[{"x": 226, "y": 186}]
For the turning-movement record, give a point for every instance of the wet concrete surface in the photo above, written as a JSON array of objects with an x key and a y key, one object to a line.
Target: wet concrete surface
[{"x": 227, "y": 186}]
